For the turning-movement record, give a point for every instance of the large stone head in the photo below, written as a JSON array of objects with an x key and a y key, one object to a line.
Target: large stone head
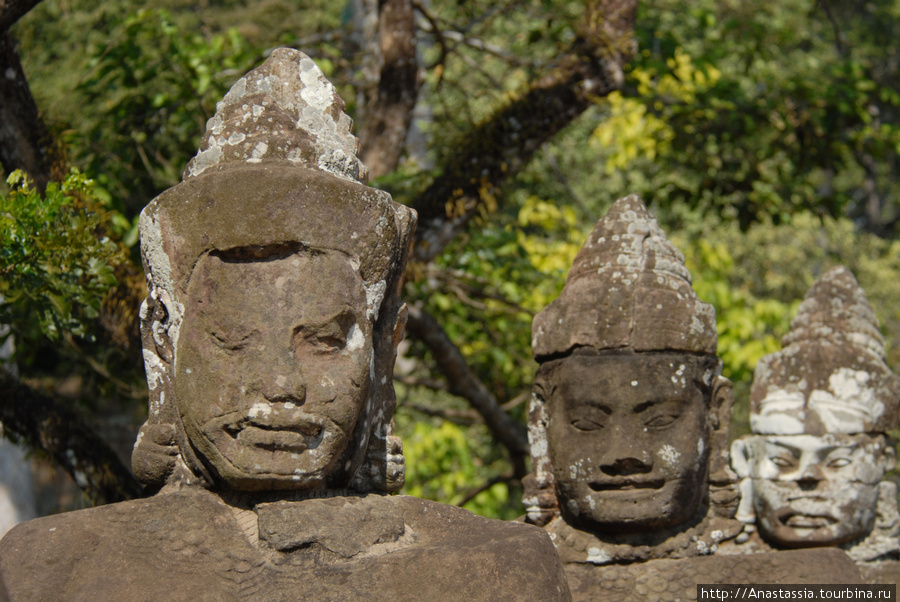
[
  {"x": 819, "y": 408},
  {"x": 629, "y": 414},
  {"x": 273, "y": 311}
]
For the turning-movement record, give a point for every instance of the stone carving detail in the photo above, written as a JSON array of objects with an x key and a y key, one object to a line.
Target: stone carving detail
[
  {"x": 819, "y": 409},
  {"x": 629, "y": 429},
  {"x": 270, "y": 332},
  {"x": 629, "y": 417}
]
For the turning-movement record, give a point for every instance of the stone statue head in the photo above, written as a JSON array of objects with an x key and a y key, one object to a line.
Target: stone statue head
[
  {"x": 812, "y": 469},
  {"x": 273, "y": 312},
  {"x": 629, "y": 415}
]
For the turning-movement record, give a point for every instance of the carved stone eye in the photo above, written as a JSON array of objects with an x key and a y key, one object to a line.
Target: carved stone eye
[
  {"x": 839, "y": 462},
  {"x": 230, "y": 342},
  {"x": 661, "y": 421},
  {"x": 781, "y": 461},
  {"x": 586, "y": 424}
]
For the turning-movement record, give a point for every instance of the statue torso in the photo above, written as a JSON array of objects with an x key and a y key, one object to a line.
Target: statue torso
[{"x": 191, "y": 545}]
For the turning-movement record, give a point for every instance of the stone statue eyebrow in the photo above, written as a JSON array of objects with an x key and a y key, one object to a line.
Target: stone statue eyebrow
[
  {"x": 345, "y": 310},
  {"x": 796, "y": 451},
  {"x": 648, "y": 404}
]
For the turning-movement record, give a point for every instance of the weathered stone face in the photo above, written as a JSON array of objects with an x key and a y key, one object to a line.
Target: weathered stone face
[
  {"x": 811, "y": 473},
  {"x": 273, "y": 375},
  {"x": 628, "y": 438},
  {"x": 276, "y": 176},
  {"x": 628, "y": 423},
  {"x": 812, "y": 491}
]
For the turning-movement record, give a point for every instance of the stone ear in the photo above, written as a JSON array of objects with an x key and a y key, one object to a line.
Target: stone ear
[
  {"x": 740, "y": 463},
  {"x": 154, "y": 327},
  {"x": 740, "y": 458},
  {"x": 721, "y": 402},
  {"x": 722, "y": 399}
]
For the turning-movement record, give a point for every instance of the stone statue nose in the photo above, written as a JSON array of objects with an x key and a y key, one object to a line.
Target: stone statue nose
[
  {"x": 285, "y": 385},
  {"x": 627, "y": 466},
  {"x": 810, "y": 477}
]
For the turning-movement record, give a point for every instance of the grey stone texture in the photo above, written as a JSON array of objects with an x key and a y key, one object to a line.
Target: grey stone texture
[
  {"x": 665, "y": 580},
  {"x": 192, "y": 545},
  {"x": 628, "y": 288}
]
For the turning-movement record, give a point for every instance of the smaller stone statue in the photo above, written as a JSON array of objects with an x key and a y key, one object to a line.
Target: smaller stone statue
[
  {"x": 269, "y": 338},
  {"x": 819, "y": 409},
  {"x": 629, "y": 426},
  {"x": 629, "y": 416}
]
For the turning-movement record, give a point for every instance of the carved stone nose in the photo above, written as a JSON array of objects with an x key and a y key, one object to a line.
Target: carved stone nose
[
  {"x": 810, "y": 478},
  {"x": 286, "y": 388},
  {"x": 626, "y": 466}
]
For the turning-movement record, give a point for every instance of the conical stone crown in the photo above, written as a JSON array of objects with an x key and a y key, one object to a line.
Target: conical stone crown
[
  {"x": 830, "y": 376},
  {"x": 286, "y": 110},
  {"x": 628, "y": 288}
]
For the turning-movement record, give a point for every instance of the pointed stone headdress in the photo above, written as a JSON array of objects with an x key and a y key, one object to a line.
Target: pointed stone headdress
[
  {"x": 628, "y": 288},
  {"x": 277, "y": 167},
  {"x": 831, "y": 375}
]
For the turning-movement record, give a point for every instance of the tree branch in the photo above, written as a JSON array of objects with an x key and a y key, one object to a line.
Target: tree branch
[
  {"x": 473, "y": 493},
  {"x": 13, "y": 10},
  {"x": 24, "y": 140},
  {"x": 41, "y": 423},
  {"x": 460, "y": 417},
  {"x": 464, "y": 383},
  {"x": 501, "y": 146}
]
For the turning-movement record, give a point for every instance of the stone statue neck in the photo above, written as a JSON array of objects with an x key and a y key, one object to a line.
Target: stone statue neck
[{"x": 248, "y": 500}]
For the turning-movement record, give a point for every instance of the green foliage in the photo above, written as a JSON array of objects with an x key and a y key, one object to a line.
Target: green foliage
[
  {"x": 157, "y": 85},
  {"x": 450, "y": 463},
  {"x": 55, "y": 261},
  {"x": 755, "y": 112}
]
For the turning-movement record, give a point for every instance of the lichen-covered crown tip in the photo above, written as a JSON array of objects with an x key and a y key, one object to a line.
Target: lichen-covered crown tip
[
  {"x": 830, "y": 376},
  {"x": 837, "y": 306},
  {"x": 284, "y": 110},
  {"x": 628, "y": 288}
]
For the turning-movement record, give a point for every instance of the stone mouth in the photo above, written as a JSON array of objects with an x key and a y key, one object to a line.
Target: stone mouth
[
  {"x": 293, "y": 431},
  {"x": 804, "y": 521},
  {"x": 277, "y": 439},
  {"x": 626, "y": 484}
]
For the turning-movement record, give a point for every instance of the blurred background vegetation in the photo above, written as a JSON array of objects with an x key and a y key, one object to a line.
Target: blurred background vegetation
[{"x": 764, "y": 136}]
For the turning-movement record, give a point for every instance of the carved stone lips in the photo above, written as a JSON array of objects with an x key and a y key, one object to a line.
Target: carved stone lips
[
  {"x": 802, "y": 521},
  {"x": 626, "y": 484},
  {"x": 281, "y": 440},
  {"x": 281, "y": 429}
]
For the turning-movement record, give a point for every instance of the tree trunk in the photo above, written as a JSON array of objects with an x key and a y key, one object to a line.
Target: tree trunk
[
  {"x": 24, "y": 140},
  {"x": 464, "y": 383},
  {"x": 500, "y": 147},
  {"x": 387, "y": 113}
]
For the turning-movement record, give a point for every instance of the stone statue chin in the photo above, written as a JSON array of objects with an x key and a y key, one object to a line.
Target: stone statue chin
[{"x": 269, "y": 334}]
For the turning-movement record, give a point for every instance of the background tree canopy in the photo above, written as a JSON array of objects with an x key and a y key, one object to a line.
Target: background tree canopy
[{"x": 764, "y": 137}]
